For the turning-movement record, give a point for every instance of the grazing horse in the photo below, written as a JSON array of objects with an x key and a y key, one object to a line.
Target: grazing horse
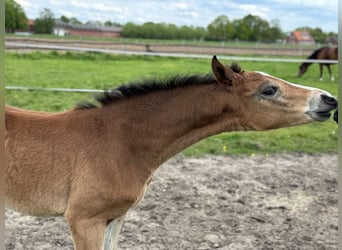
[
  {"x": 93, "y": 163},
  {"x": 324, "y": 53}
]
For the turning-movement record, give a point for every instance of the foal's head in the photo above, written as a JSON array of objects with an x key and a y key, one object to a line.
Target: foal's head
[{"x": 261, "y": 101}]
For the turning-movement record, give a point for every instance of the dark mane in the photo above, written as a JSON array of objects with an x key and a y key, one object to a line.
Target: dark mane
[
  {"x": 151, "y": 85},
  {"x": 236, "y": 68},
  {"x": 147, "y": 86}
]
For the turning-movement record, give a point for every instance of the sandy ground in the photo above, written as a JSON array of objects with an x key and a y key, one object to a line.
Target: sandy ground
[{"x": 238, "y": 203}]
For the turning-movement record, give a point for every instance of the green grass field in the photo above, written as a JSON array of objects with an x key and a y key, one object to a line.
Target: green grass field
[{"x": 101, "y": 71}]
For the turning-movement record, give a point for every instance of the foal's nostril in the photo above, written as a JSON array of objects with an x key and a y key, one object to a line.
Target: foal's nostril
[{"x": 329, "y": 100}]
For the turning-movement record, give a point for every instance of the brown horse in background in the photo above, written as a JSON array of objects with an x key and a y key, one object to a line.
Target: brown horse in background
[
  {"x": 324, "y": 53},
  {"x": 93, "y": 163}
]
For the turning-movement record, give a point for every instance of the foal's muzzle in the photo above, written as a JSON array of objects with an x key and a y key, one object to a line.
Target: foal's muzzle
[{"x": 323, "y": 108}]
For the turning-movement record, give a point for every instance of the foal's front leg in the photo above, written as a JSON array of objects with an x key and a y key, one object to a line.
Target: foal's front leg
[{"x": 87, "y": 234}]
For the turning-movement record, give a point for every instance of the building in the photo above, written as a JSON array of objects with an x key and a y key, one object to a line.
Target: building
[
  {"x": 300, "y": 37},
  {"x": 66, "y": 29}
]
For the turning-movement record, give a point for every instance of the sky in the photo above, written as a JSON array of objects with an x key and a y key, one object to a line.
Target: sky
[{"x": 290, "y": 13}]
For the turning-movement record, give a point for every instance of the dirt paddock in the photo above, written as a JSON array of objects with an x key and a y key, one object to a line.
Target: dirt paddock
[{"x": 286, "y": 201}]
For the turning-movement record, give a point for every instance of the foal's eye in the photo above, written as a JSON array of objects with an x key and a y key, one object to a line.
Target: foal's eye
[{"x": 269, "y": 91}]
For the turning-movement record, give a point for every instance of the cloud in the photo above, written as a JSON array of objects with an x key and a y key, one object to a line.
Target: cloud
[
  {"x": 24, "y": 3},
  {"x": 178, "y": 6},
  {"x": 255, "y": 10},
  {"x": 311, "y": 3}
]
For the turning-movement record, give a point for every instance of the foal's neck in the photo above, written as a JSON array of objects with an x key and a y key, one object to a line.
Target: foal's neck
[{"x": 164, "y": 123}]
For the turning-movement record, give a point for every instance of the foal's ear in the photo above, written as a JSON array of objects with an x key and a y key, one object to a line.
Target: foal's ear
[{"x": 222, "y": 73}]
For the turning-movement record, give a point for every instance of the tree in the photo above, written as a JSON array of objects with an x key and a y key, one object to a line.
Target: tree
[
  {"x": 94, "y": 23},
  {"x": 45, "y": 22},
  {"x": 129, "y": 30},
  {"x": 250, "y": 28},
  {"x": 64, "y": 19},
  {"x": 241, "y": 30},
  {"x": 162, "y": 31},
  {"x": 255, "y": 29},
  {"x": 15, "y": 17},
  {"x": 74, "y": 20},
  {"x": 112, "y": 24},
  {"x": 220, "y": 29},
  {"x": 275, "y": 32}
]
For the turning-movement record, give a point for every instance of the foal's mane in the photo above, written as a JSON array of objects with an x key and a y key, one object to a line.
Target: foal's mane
[{"x": 150, "y": 85}]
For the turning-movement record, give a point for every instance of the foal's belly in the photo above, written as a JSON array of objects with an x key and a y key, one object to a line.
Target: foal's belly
[
  {"x": 34, "y": 202},
  {"x": 34, "y": 193},
  {"x": 35, "y": 209}
]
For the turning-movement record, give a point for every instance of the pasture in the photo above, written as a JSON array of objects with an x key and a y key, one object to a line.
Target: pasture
[{"x": 103, "y": 71}]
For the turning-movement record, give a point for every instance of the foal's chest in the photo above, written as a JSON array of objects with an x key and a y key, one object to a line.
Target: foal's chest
[{"x": 142, "y": 193}]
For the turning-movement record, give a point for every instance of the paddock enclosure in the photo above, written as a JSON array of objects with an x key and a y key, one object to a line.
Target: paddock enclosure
[{"x": 284, "y": 201}]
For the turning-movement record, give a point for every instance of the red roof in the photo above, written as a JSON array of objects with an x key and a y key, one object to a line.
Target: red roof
[{"x": 300, "y": 37}]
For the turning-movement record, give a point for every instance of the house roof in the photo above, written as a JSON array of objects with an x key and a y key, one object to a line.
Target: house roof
[{"x": 302, "y": 35}]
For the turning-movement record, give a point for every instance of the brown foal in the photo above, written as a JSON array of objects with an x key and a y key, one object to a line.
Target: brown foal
[{"x": 93, "y": 163}]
